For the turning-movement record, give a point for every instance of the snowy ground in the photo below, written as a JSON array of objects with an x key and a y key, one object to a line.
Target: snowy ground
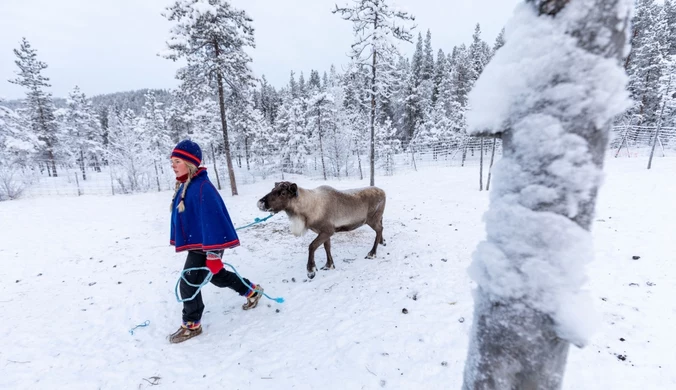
[{"x": 78, "y": 273}]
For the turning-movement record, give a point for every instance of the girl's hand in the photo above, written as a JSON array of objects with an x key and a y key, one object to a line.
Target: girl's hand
[{"x": 214, "y": 262}]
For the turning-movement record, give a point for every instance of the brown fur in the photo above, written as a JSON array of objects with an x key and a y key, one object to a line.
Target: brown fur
[{"x": 325, "y": 211}]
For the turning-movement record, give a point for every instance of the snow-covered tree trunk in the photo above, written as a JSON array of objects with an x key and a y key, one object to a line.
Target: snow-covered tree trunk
[{"x": 552, "y": 91}]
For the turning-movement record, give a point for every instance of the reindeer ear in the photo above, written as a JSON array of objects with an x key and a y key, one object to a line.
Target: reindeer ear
[{"x": 293, "y": 188}]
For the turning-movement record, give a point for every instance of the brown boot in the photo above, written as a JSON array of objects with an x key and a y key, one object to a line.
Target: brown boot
[
  {"x": 252, "y": 300},
  {"x": 187, "y": 331}
]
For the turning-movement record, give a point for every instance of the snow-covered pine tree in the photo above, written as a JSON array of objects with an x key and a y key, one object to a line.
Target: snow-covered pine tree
[
  {"x": 177, "y": 117},
  {"x": 413, "y": 106},
  {"x": 17, "y": 144},
  {"x": 293, "y": 85},
  {"x": 440, "y": 74},
  {"x": 127, "y": 152},
  {"x": 387, "y": 146},
  {"x": 320, "y": 116},
  {"x": 81, "y": 129},
  {"x": 212, "y": 36},
  {"x": 529, "y": 306},
  {"x": 479, "y": 54},
  {"x": 153, "y": 125},
  {"x": 38, "y": 104},
  {"x": 462, "y": 75},
  {"x": 374, "y": 25},
  {"x": 670, "y": 9},
  {"x": 291, "y": 136},
  {"x": 648, "y": 66},
  {"x": 499, "y": 42}
]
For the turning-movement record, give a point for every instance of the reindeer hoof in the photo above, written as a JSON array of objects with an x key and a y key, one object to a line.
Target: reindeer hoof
[
  {"x": 370, "y": 256},
  {"x": 326, "y": 268},
  {"x": 311, "y": 275},
  {"x": 383, "y": 243}
]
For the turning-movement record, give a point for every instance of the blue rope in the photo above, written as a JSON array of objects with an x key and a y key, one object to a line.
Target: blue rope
[
  {"x": 256, "y": 221},
  {"x": 207, "y": 279},
  {"x": 143, "y": 325}
]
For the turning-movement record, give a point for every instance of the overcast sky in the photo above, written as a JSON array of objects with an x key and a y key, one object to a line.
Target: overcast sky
[{"x": 111, "y": 45}]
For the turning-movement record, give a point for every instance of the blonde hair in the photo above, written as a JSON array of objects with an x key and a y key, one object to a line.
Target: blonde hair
[{"x": 192, "y": 169}]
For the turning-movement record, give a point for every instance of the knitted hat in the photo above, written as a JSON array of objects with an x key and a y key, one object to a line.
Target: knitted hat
[{"x": 188, "y": 151}]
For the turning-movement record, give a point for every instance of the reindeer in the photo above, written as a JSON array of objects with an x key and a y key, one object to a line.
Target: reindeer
[{"x": 325, "y": 211}]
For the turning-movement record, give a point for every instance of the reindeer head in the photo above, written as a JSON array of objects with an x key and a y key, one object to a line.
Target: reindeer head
[{"x": 278, "y": 199}]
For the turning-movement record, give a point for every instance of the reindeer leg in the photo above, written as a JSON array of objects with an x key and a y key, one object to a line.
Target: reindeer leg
[
  {"x": 329, "y": 259},
  {"x": 382, "y": 240},
  {"x": 316, "y": 243},
  {"x": 378, "y": 227}
]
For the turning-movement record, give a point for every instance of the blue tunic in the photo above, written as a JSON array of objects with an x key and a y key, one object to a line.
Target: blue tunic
[{"x": 205, "y": 224}]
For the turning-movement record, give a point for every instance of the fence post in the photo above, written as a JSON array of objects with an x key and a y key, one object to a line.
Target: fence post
[
  {"x": 481, "y": 165},
  {"x": 490, "y": 166}
]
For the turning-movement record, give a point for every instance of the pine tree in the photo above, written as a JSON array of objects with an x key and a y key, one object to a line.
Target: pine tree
[
  {"x": 16, "y": 143},
  {"x": 177, "y": 117},
  {"x": 479, "y": 54},
  {"x": 127, "y": 150},
  {"x": 428, "y": 59},
  {"x": 315, "y": 83},
  {"x": 462, "y": 75},
  {"x": 670, "y": 9},
  {"x": 291, "y": 134},
  {"x": 302, "y": 88},
  {"x": 373, "y": 23},
  {"x": 39, "y": 106},
  {"x": 82, "y": 131},
  {"x": 320, "y": 119},
  {"x": 212, "y": 36},
  {"x": 440, "y": 74},
  {"x": 499, "y": 41},
  {"x": 293, "y": 86},
  {"x": 413, "y": 99},
  {"x": 648, "y": 65}
]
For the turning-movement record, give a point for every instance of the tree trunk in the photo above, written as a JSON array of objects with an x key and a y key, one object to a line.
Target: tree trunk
[
  {"x": 521, "y": 334},
  {"x": 213, "y": 157},
  {"x": 224, "y": 125},
  {"x": 321, "y": 146},
  {"x": 372, "y": 156},
  {"x": 157, "y": 177},
  {"x": 51, "y": 159},
  {"x": 82, "y": 165},
  {"x": 246, "y": 153}
]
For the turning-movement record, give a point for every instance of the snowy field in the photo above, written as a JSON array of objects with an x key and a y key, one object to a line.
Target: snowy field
[{"x": 79, "y": 272}]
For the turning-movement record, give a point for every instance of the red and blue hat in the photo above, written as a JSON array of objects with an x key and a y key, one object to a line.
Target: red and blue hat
[{"x": 188, "y": 151}]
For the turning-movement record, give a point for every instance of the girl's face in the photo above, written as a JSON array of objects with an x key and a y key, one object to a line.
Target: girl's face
[{"x": 179, "y": 167}]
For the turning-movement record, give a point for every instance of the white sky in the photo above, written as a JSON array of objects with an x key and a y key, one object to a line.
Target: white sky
[{"x": 111, "y": 45}]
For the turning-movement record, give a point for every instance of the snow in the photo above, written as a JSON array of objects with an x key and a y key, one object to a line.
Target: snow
[
  {"x": 79, "y": 272},
  {"x": 537, "y": 52}
]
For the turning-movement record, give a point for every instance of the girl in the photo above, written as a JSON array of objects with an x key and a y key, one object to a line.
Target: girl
[{"x": 201, "y": 225}]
